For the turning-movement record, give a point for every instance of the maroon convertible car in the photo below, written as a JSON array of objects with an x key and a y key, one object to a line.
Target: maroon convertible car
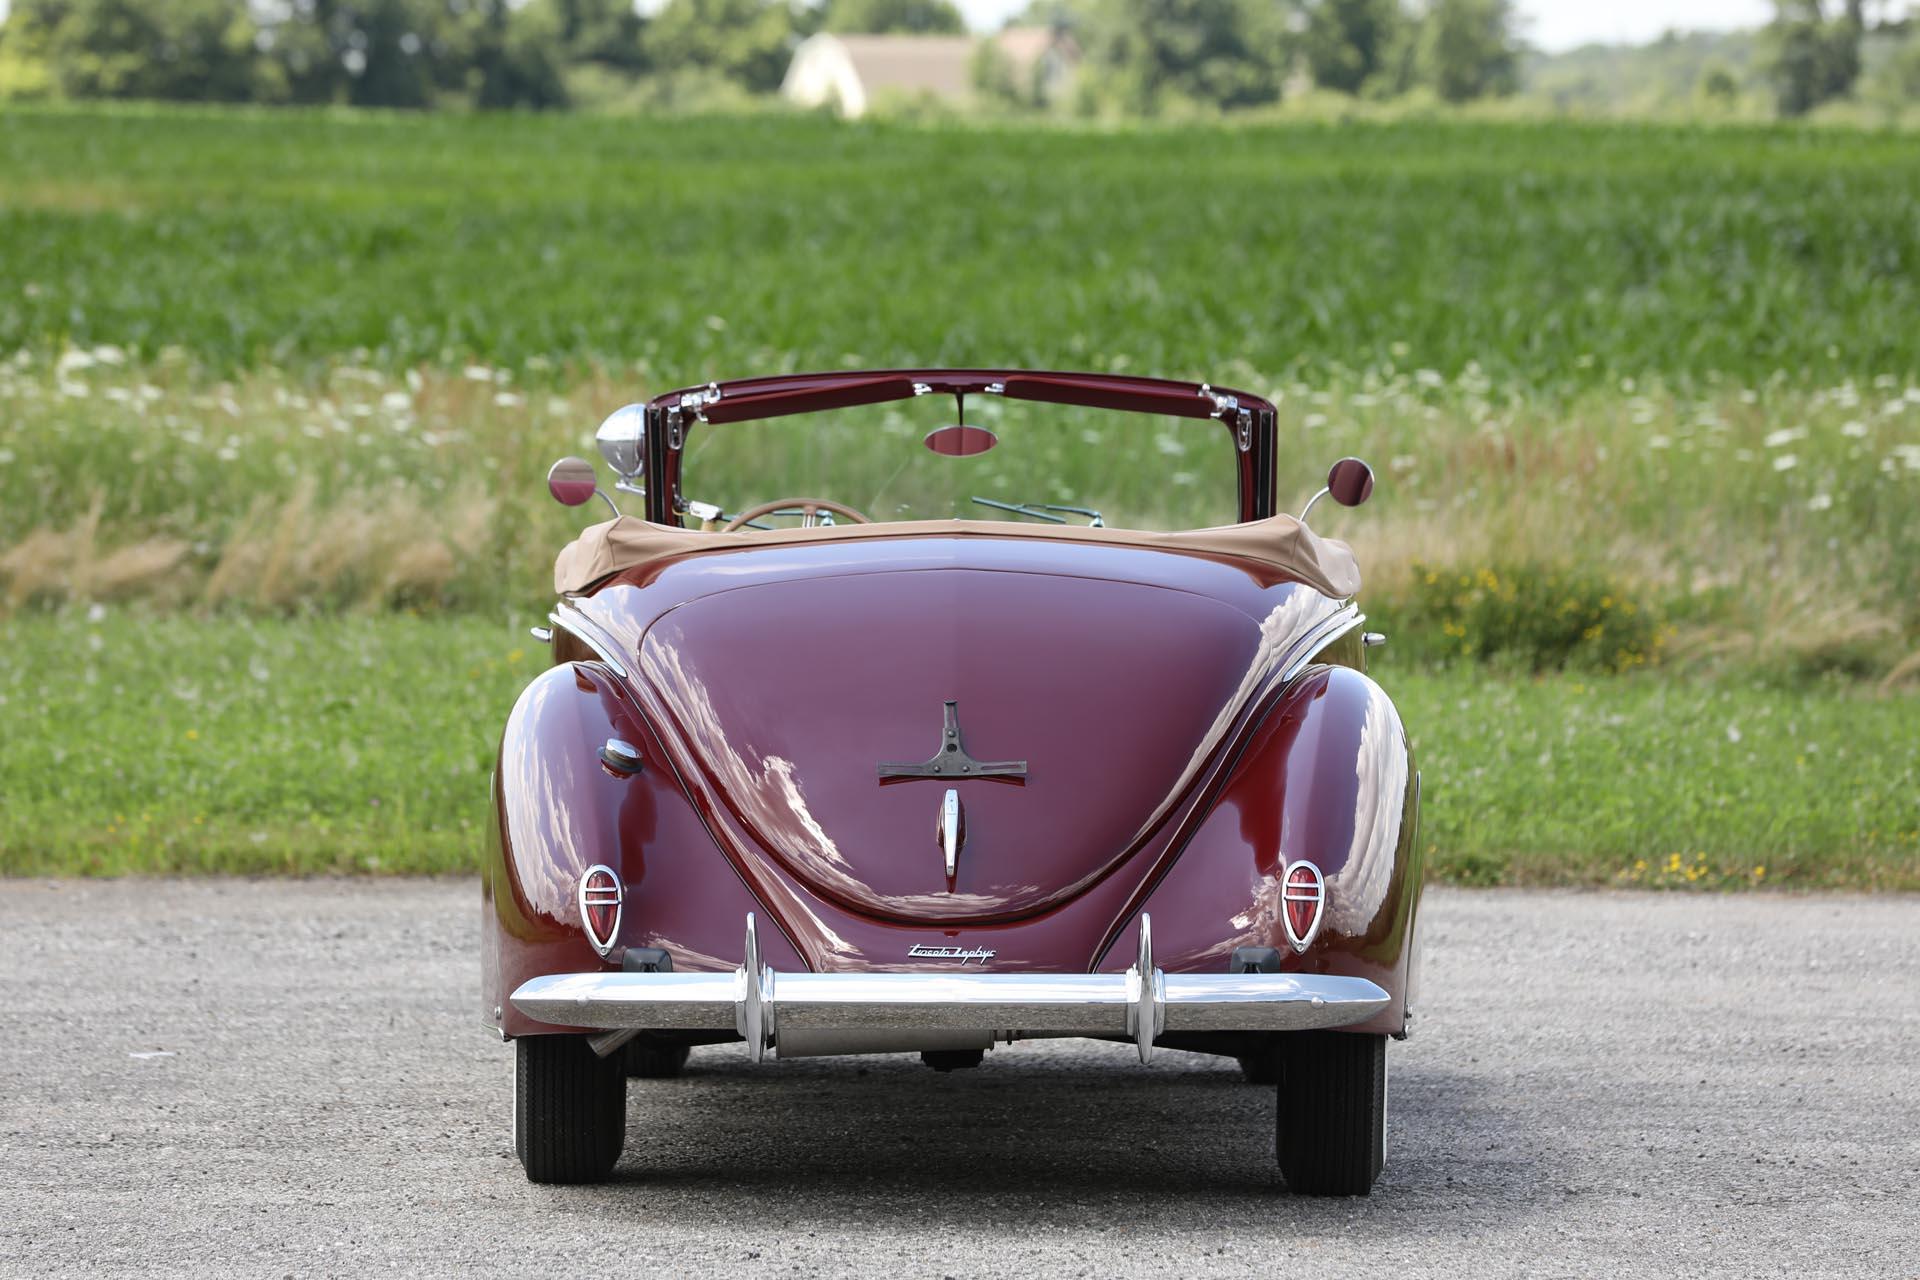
[{"x": 979, "y": 768}]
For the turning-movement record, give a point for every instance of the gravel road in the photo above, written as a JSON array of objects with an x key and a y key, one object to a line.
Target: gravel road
[{"x": 291, "y": 1078}]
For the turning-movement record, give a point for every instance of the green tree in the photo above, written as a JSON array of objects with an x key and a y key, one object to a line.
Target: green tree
[
  {"x": 1467, "y": 49},
  {"x": 603, "y": 31},
  {"x": 913, "y": 17},
  {"x": 185, "y": 50},
  {"x": 512, "y": 55},
  {"x": 369, "y": 53},
  {"x": 1346, "y": 43},
  {"x": 1810, "y": 59},
  {"x": 749, "y": 42},
  {"x": 1144, "y": 55}
]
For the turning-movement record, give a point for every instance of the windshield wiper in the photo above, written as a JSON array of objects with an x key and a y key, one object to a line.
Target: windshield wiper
[{"x": 1045, "y": 511}]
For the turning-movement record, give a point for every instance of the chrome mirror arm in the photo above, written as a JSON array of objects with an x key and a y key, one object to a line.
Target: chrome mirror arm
[{"x": 1310, "y": 501}]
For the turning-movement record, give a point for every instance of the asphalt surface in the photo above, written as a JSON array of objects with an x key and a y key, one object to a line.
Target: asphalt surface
[{"x": 291, "y": 1078}]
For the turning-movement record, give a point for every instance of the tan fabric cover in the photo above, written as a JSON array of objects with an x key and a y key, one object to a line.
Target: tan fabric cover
[{"x": 1280, "y": 542}]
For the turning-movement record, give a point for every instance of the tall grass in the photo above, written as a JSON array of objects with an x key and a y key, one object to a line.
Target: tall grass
[{"x": 1767, "y": 527}]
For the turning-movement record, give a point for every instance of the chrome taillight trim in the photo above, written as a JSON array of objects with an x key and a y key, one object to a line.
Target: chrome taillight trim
[
  {"x": 1316, "y": 893},
  {"x": 590, "y": 895}
]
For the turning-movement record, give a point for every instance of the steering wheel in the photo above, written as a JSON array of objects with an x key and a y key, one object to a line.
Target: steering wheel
[{"x": 809, "y": 509}]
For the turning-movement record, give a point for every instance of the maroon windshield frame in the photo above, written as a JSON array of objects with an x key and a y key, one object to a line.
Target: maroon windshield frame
[{"x": 1248, "y": 419}]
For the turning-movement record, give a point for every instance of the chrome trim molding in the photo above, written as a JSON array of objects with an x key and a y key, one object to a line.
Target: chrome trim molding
[
  {"x": 581, "y": 629},
  {"x": 950, "y": 830},
  {"x": 1323, "y": 634},
  {"x": 759, "y": 1005},
  {"x": 590, "y": 895}
]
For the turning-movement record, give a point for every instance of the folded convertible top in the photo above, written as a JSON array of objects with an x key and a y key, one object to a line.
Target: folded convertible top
[{"x": 1278, "y": 542}]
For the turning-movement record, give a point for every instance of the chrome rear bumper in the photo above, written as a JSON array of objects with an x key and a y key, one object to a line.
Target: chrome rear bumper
[{"x": 761, "y": 1006}]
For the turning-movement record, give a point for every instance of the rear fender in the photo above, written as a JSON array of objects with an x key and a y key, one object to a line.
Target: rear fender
[
  {"x": 1328, "y": 777},
  {"x": 559, "y": 811}
]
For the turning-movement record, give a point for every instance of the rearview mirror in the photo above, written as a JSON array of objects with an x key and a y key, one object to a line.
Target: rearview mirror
[
  {"x": 571, "y": 482},
  {"x": 1350, "y": 482},
  {"x": 961, "y": 441}
]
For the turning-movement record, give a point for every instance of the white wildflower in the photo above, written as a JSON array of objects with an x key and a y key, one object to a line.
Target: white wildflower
[
  {"x": 1733, "y": 733},
  {"x": 508, "y": 400},
  {"x": 478, "y": 373},
  {"x": 1659, "y": 442},
  {"x": 1313, "y": 420},
  {"x": 1428, "y": 378},
  {"x": 1820, "y": 502},
  {"x": 1786, "y": 462},
  {"x": 1854, "y": 429},
  {"x": 396, "y": 402},
  {"x": 1786, "y": 435},
  {"x": 1166, "y": 443}
]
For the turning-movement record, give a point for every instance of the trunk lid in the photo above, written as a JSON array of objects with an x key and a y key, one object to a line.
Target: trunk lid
[{"x": 789, "y": 695}]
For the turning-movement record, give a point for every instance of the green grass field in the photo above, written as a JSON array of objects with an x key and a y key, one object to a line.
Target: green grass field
[
  {"x": 363, "y": 744},
  {"x": 277, "y": 390},
  {"x": 1548, "y": 255}
]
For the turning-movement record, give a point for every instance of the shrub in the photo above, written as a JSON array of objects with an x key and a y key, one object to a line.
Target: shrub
[{"x": 1538, "y": 617}]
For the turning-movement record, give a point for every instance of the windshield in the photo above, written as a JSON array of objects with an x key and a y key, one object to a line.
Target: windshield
[{"x": 1128, "y": 470}]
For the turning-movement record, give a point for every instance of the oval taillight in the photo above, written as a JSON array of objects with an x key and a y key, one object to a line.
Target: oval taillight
[
  {"x": 1303, "y": 899},
  {"x": 601, "y": 895}
]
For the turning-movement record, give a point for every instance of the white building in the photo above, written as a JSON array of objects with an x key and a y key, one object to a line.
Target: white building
[{"x": 850, "y": 72}]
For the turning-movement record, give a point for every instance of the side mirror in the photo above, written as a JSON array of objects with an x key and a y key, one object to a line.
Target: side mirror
[
  {"x": 1350, "y": 482},
  {"x": 571, "y": 482},
  {"x": 623, "y": 440}
]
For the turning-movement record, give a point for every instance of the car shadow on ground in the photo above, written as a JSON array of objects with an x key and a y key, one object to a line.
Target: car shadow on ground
[{"x": 1033, "y": 1138}]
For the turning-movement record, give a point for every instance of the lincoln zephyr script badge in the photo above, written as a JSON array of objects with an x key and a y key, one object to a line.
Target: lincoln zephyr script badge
[
  {"x": 952, "y": 761},
  {"x": 921, "y": 951}
]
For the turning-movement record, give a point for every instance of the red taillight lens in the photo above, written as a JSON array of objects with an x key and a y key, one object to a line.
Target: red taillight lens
[
  {"x": 1303, "y": 897},
  {"x": 600, "y": 897}
]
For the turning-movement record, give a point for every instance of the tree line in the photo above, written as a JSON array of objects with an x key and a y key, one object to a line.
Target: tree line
[{"x": 1135, "y": 56}]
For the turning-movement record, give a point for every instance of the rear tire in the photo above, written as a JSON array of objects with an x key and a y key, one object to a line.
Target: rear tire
[
  {"x": 569, "y": 1109},
  {"x": 653, "y": 1061},
  {"x": 1262, "y": 1066},
  {"x": 1331, "y": 1118}
]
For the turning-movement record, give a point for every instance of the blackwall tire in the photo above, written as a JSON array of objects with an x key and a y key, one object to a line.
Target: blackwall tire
[
  {"x": 1331, "y": 1118},
  {"x": 653, "y": 1061},
  {"x": 569, "y": 1109},
  {"x": 1262, "y": 1066}
]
